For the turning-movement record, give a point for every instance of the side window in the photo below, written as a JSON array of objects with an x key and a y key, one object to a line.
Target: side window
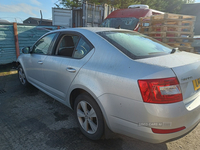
[
  {"x": 82, "y": 49},
  {"x": 67, "y": 44},
  {"x": 42, "y": 46}
]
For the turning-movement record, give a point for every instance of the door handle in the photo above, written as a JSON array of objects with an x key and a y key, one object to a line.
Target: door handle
[
  {"x": 40, "y": 62},
  {"x": 71, "y": 69}
]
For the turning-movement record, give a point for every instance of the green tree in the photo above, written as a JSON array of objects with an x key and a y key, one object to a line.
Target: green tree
[
  {"x": 171, "y": 6},
  {"x": 68, "y": 3}
]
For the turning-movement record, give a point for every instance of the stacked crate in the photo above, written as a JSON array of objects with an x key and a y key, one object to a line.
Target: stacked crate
[{"x": 172, "y": 29}]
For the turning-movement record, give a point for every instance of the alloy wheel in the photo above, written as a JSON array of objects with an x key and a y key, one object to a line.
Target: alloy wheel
[
  {"x": 87, "y": 117},
  {"x": 22, "y": 77}
]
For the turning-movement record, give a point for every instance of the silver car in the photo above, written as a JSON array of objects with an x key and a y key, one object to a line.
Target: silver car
[{"x": 117, "y": 80}]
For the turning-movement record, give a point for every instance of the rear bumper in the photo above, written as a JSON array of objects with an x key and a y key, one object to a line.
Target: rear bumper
[
  {"x": 145, "y": 133},
  {"x": 135, "y": 119}
]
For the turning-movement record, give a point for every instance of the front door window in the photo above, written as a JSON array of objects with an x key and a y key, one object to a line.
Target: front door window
[{"x": 43, "y": 45}]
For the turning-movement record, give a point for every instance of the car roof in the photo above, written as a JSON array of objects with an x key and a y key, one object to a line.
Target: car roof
[
  {"x": 100, "y": 29},
  {"x": 92, "y": 29}
]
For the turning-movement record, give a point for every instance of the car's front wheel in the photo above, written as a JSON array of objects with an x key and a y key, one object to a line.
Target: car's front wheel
[
  {"x": 89, "y": 116},
  {"x": 22, "y": 76}
]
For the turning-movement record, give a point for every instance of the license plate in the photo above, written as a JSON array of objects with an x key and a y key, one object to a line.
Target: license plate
[{"x": 196, "y": 84}]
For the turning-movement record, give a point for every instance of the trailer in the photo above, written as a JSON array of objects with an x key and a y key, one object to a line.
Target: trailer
[
  {"x": 62, "y": 17},
  {"x": 88, "y": 15}
]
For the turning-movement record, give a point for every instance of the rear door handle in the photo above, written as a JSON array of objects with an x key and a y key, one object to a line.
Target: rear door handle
[
  {"x": 71, "y": 69},
  {"x": 40, "y": 62}
]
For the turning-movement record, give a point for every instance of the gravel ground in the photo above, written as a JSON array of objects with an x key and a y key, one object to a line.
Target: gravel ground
[{"x": 30, "y": 119}]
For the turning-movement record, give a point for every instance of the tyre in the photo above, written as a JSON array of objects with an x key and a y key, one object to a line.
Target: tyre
[
  {"x": 89, "y": 117},
  {"x": 22, "y": 76}
]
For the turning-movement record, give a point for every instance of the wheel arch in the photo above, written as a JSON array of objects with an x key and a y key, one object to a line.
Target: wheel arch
[
  {"x": 19, "y": 62},
  {"x": 73, "y": 95},
  {"x": 77, "y": 91}
]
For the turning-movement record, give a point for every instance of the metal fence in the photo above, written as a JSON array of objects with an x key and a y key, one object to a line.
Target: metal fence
[
  {"x": 27, "y": 36},
  {"x": 90, "y": 15}
]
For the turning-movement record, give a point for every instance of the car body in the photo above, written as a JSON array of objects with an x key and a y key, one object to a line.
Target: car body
[{"x": 136, "y": 85}]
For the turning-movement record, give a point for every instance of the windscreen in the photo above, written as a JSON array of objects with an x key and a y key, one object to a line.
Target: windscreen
[
  {"x": 136, "y": 45},
  {"x": 123, "y": 23}
]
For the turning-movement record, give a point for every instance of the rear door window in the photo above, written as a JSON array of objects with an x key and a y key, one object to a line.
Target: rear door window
[
  {"x": 82, "y": 48},
  {"x": 73, "y": 46},
  {"x": 67, "y": 45}
]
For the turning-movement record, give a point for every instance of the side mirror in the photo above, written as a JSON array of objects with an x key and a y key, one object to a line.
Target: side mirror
[{"x": 26, "y": 50}]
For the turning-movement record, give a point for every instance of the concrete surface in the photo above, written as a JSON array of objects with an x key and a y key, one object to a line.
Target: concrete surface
[{"x": 30, "y": 120}]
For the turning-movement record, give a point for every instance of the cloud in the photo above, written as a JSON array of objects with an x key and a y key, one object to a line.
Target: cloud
[
  {"x": 35, "y": 2},
  {"x": 54, "y": 1},
  {"x": 22, "y": 7}
]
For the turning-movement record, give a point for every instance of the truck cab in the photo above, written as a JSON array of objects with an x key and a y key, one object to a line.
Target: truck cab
[{"x": 128, "y": 18}]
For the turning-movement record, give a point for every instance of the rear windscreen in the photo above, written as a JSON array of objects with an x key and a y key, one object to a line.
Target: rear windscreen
[
  {"x": 135, "y": 45},
  {"x": 123, "y": 23}
]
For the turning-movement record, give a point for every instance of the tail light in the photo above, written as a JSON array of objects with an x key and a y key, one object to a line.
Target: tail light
[
  {"x": 160, "y": 91},
  {"x": 165, "y": 131}
]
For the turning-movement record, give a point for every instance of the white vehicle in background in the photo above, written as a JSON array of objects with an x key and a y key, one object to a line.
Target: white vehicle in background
[{"x": 196, "y": 43}]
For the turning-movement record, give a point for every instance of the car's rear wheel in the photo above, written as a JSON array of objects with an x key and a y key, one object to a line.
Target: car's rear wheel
[
  {"x": 22, "y": 76},
  {"x": 89, "y": 117}
]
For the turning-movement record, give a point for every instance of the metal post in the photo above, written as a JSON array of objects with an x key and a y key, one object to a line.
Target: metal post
[
  {"x": 93, "y": 14},
  {"x": 105, "y": 11},
  {"x": 86, "y": 13},
  {"x": 84, "y": 17},
  {"x": 102, "y": 12},
  {"x": 16, "y": 39}
]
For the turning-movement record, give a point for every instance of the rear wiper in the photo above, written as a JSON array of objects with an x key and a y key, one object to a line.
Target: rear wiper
[{"x": 174, "y": 50}]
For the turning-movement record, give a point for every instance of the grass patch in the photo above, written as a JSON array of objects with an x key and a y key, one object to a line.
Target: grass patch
[{"x": 7, "y": 69}]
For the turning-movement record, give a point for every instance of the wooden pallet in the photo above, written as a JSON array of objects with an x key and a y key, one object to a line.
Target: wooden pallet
[
  {"x": 166, "y": 28},
  {"x": 167, "y": 19},
  {"x": 173, "y": 44},
  {"x": 176, "y": 28},
  {"x": 173, "y": 22},
  {"x": 167, "y": 16},
  {"x": 173, "y": 16},
  {"x": 167, "y": 22},
  {"x": 169, "y": 34},
  {"x": 187, "y": 49},
  {"x": 172, "y": 29},
  {"x": 175, "y": 40}
]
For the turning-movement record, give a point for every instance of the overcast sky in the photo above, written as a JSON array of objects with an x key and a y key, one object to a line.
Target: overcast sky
[{"x": 20, "y": 10}]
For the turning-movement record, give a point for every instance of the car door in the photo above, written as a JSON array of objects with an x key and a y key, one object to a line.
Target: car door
[
  {"x": 72, "y": 52},
  {"x": 36, "y": 60}
]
